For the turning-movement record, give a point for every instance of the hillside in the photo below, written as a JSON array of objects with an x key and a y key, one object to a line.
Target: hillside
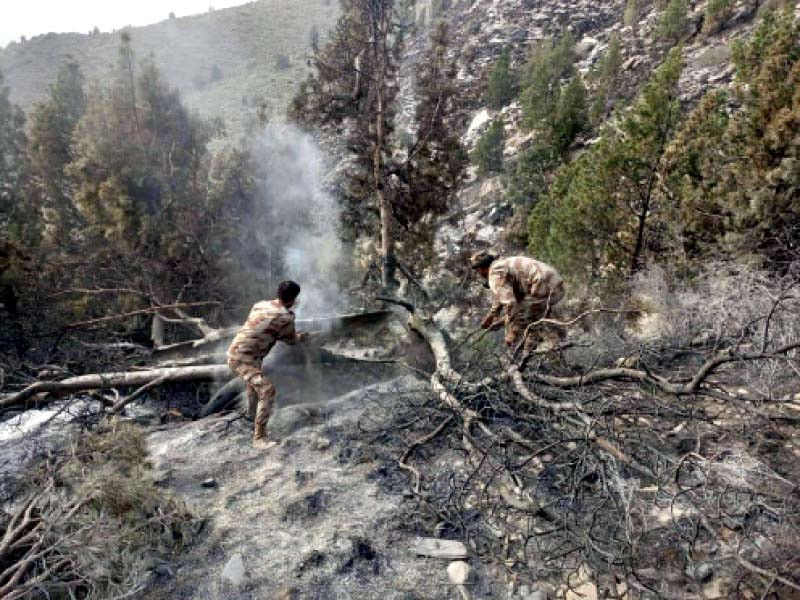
[{"x": 244, "y": 42}]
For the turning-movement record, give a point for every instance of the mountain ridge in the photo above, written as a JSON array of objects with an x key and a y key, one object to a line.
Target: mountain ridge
[{"x": 225, "y": 62}]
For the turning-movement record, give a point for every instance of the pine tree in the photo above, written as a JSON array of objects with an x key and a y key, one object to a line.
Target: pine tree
[
  {"x": 595, "y": 218},
  {"x": 607, "y": 80},
  {"x": 692, "y": 212},
  {"x": 13, "y": 167},
  {"x": 138, "y": 167},
  {"x": 762, "y": 178},
  {"x": 717, "y": 14},
  {"x": 52, "y": 123},
  {"x": 632, "y": 15},
  {"x": 500, "y": 88},
  {"x": 354, "y": 89},
  {"x": 548, "y": 65},
  {"x": 553, "y": 96},
  {"x": 673, "y": 21},
  {"x": 18, "y": 224},
  {"x": 355, "y": 84},
  {"x": 436, "y": 159},
  {"x": 488, "y": 152}
]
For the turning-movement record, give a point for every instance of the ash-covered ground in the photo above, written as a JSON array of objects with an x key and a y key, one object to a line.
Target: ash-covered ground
[{"x": 312, "y": 519}]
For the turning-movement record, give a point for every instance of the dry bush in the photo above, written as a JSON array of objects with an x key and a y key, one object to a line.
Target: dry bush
[
  {"x": 663, "y": 475},
  {"x": 92, "y": 523}
]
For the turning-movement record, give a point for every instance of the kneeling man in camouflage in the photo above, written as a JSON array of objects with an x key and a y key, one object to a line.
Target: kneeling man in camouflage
[{"x": 524, "y": 291}]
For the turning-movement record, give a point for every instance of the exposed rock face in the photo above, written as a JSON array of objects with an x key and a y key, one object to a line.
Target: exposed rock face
[{"x": 481, "y": 29}]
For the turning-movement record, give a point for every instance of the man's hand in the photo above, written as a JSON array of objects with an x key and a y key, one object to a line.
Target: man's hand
[{"x": 301, "y": 336}]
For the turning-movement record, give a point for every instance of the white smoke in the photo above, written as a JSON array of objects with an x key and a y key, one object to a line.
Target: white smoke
[{"x": 293, "y": 167}]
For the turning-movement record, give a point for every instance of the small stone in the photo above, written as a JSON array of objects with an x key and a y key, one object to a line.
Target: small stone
[
  {"x": 209, "y": 483},
  {"x": 164, "y": 570},
  {"x": 234, "y": 570},
  {"x": 435, "y": 548},
  {"x": 703, "y": 572},
  {"x": 458, "y": 571}
]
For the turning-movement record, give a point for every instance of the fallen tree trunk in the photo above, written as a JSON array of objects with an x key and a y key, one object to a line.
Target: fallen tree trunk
[{"x": 101, "y": 381}]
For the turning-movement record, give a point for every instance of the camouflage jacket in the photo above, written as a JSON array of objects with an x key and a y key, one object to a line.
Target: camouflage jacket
[
  {"x": 269, "y": 322},
  {"x": 517, "y": 278}
]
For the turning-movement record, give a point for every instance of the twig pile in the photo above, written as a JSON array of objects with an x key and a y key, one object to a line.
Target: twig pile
[{"x": 674, "y": 470}]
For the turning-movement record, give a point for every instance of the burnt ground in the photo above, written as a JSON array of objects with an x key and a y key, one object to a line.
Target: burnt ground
[{"x": 318, "y": 517}]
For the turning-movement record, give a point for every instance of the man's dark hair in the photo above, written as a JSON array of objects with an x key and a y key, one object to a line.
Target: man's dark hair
[
  {"x": 482, "y": 259},
  {"x": 288, "y": 291}
]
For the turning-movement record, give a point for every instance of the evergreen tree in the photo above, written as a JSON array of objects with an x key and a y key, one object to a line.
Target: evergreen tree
[
  {"x": 607, "y": 80},
  {"x": 436, "y": 159},
  {"x": 488, "y": 152},
  {"x": 717, "y": 13},
  {"x": 12, "y": 167},
  {"x": 354, "y": 89},
  {"x": 632, "y": 15},
  {"x": 500, "y": 89},
  {"x": 730, "y": 180},
  {"x": 52, "y": 123},
  {"x": 549, "y": 64},
  {"x": 553, "y": 96},
  {"x": 691, "y": 211},
  {"x": 595, "y": 218},
  {"x": 761, "y": 178},
  {"x": 138, "y": 165},
  {"x": 18, "y": 226},
  {"x": 673, "y": 21}
]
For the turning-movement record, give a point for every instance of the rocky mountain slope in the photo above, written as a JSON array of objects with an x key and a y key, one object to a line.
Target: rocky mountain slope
[
  {"x": 225, "y": 62},
  {"x": 482, "y": 29}
]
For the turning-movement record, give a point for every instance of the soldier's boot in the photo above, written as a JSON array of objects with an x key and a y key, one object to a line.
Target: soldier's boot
[{"x": 260, "y": 439}]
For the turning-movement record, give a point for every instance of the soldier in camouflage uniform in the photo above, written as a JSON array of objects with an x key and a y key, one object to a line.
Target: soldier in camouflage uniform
[
  {"x": 524, "y": 291},
  {"x": 270, "y": 321}
]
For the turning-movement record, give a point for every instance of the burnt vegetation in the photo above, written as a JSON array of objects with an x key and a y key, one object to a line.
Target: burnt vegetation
[{"x": 646, "y": 467}]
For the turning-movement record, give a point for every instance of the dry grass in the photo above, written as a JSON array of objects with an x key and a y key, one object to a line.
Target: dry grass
[{"x": 93, "y": 524}]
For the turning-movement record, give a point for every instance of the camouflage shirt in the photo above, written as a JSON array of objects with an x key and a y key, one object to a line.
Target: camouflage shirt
[
  {"x": 516, "y": 278},
  {"x": 269, "y": 322}
]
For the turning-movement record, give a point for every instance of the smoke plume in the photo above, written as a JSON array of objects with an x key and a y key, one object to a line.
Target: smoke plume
[{"x": 293, "y": 167}]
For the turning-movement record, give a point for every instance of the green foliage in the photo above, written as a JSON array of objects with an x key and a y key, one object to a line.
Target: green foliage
[
  {"x": 553, "y": 96},
  {"x": 693, "y": 216},
  {"x": 569, "y": 118},
  {"x": 731, "y": 180},
  {"x": 593, "y": 222},
  {"x": 632, "y": 14},
  {"x": 549, "y": 63},
  {"x": 717, "y": 13},
  {"x": 607, "y": 80},
  {"x": 488, "y": 152},
  {"x": 356, "y": 83},
  {"x": 52, "y": 123},
  {"x": 500, "y": 88},
  {"x": 672, "y": 24},
  {"x": 12, "y": 167},
  {"x": 528, "y": 178}
]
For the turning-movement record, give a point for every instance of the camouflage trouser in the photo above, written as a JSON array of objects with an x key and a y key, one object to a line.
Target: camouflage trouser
[
  {"x": 260, "y": 391},
  {"x": 520, "y": 325}
]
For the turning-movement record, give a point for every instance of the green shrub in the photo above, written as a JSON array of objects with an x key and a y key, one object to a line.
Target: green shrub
[
  {"x": 488, "y": 153},
  {"x": 500, "y": 88}
]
